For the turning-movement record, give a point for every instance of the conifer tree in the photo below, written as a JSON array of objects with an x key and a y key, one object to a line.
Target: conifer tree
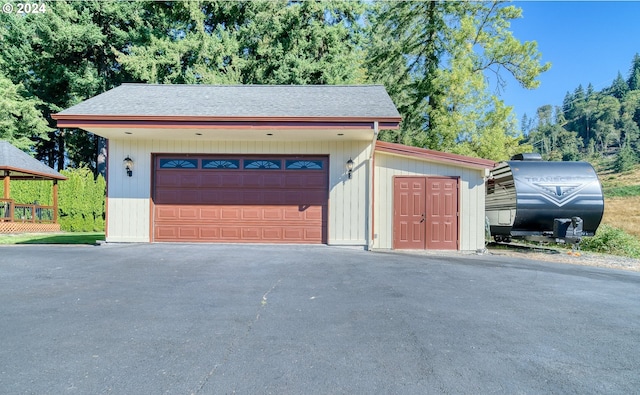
[
  {"x": 634, "y": 73},
  {"x": 433, "y": 57}
]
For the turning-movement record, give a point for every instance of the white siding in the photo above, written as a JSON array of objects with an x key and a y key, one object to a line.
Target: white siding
[
  {"x": 471, "y": 197},
  {"x": 129, "y": 198}
]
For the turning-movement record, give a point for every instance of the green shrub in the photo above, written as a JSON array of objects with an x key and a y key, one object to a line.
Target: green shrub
[
  {"x": 610, "y": 240},
  {"x": 81, "y": 201}
]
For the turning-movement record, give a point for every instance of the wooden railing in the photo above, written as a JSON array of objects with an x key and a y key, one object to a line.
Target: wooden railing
[{"x": 11, "y": 211}]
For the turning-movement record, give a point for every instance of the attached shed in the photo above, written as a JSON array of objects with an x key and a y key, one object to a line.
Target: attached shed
[
  {"x": 428, "y": 199},
  {"x": 261, "y": 163}
]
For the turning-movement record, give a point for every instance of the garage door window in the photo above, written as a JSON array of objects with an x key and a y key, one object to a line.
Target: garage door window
[
  {"x": 178, "y": 163},
  {"x": 262, "y": 164},
  {"x": 304, "y": 165},
  {"x": 220, "y": 164}
]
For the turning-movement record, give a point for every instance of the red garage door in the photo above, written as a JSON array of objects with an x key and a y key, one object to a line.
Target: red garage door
[{"x": 225, "y": 198}]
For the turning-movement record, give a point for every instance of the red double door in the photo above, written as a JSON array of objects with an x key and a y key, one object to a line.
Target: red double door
[{"x": 425, "y": 213}]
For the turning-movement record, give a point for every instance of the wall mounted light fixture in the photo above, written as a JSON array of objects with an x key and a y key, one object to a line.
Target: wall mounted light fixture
[
  {"x": 350, "y": 168},
  {"x": 128, "y": 166}
]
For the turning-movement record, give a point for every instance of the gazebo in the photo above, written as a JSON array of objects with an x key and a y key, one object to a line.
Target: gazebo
[{"x": 26, "y": 217}]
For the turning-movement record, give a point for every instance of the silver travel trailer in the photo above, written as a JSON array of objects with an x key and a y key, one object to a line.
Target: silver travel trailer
[{"x": 528, "y": 198}]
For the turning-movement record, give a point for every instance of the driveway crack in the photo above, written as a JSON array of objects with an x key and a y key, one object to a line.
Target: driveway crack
[{"x": 233, "y": 345}]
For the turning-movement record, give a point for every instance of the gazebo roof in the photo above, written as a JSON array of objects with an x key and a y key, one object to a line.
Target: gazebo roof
[{"x": 23, "y": 167}]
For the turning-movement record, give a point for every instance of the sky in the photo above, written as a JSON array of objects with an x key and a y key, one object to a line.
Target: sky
[{"x": 585, "y": 41}]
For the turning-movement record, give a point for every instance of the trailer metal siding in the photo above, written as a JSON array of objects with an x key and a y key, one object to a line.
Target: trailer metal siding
[{"x": 524, "y": 198}]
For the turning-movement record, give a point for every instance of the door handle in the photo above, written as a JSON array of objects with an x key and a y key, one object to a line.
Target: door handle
[{"x": 423, "y": 218}]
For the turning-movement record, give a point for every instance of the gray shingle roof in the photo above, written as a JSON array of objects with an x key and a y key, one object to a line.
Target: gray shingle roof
[
  {"x": 368, "y": 101},
  {"x": 19, "y": 163}
]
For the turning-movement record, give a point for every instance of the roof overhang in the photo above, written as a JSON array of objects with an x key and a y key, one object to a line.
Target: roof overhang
[
  {"x": 227, "y": 128},
  {"x": 434, "y": 156},
  {"x": 24, "y": 174}
]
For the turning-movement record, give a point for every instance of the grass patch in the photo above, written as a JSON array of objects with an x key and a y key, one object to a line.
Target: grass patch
[
  {"x": 89, "y": 238},
  {"x": 623, "y": 213},
  {"x": 622, "y": 191},
  {"x": 611, "y": 180}
]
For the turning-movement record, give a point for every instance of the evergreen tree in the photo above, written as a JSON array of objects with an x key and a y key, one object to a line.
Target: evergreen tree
[
  {"x": 634, "y": 73},
  {"x": 187, "y": 42},
  {"x": 625, "y": 159},
  {"x": 567, "y": 104},
  {"x": 250, "y": 42},
  {"x": 20, "y": 116},
  {"x": 619, "y": 87},
  {"x": 63, "y": 56},
  {"x": 308, "y": 42},
  {"x": 432, "y": 57},
  {"x": 630, "y": 119}
]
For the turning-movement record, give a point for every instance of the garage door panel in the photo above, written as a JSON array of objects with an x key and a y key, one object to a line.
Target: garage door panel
[
  {"x": 249, "y": 197},
  {"x": 165, "y": 179},
  {"x": 166, "y": 232},
  {"x": 294, "y": 181},
  {"x": 251, "y": 233},
  {"x": 234, "y": 233},
  {"x": 166, "y": 213},
  {"x": 210, "y": 213},
  {"x": 166, "y": 196},
  {"x": 252, "y": 213},
  {"x": 272, "y": 214},
  {"x": 188, "y": 232},
  {"x": 273, "y": 181},
  {"x": 252, "y": 180},
  {"x": 258, "y": 212},
  {"x": 313, "y": 213},
  {"x": 210, "y": 195},
  {"x": 312, "y": 234},
  {"x": 293, "y": 197},
  {"x": 230, "y": 213},
  {"x": 313, "y": 198},
  {"x": 189, "y": 180},
  {"x": 211, "y": 233},
  {"x": 272, "y": 233},
  {"x": 230, "y": 233},
  {"x": 210, "y": 180},
  {"x": 294, "y": 234},
  {"x": 188, "y": 213},
  {"x": 178, "y": 196},
  {"x": 227, "y": 197},
  {"x": 188, "y": 196},
  {"x": 316, "y": 181},
  {"x": 230, "y": 181},
  {"x": 272, "y": 197},
  {"x": 293, "y": 213}
]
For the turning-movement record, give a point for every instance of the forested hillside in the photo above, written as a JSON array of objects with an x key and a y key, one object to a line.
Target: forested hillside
[
  {"x": 592, "y": 124},
  {"x": 432, "y": 56}
]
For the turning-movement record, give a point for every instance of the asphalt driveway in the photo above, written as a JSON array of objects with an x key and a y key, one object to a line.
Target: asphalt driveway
[{"x": 220, "y": 319}]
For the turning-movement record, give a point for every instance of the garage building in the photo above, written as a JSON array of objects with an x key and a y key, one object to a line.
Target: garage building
[{"x": 276, "y": 164}]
